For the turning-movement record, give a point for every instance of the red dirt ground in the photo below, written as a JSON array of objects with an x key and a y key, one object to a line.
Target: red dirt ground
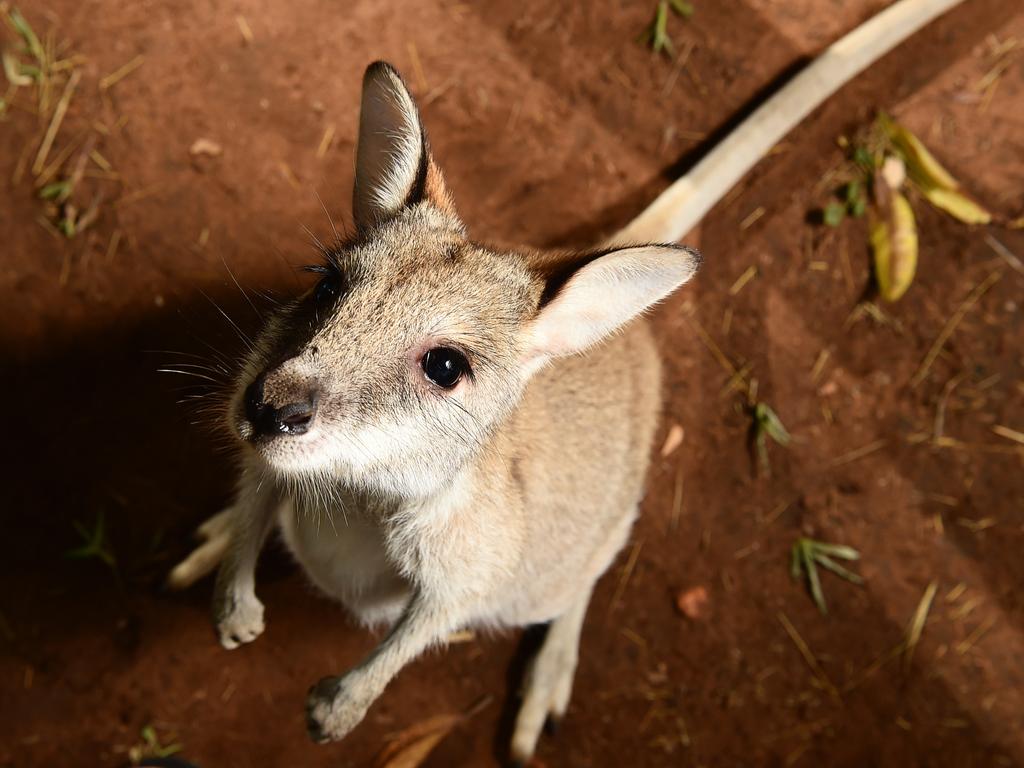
[{"x": 553, "y": 125}]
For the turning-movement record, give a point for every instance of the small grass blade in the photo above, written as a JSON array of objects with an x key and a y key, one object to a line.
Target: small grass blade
[
  {"x": 95, "y": 544},
  {"x": 841, "y": 551},
  {"x": 829, "y": 564},
  {"x": 771, "y": 424},
  {"x": 24, "y": 29},
  {"x": 682, "y": 8},
  {"x": 808, "y": 554}
]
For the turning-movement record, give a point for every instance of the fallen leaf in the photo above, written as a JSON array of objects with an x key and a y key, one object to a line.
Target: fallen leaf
[
  {"x": 893, "y": 235},
  {"x": 673, "y": 440},
  {"x": 205, "y": 147},
  {"x": 935, "y": 182},
  {"x": 692, "y": 602},
  {"x": 921, "y": 164},
  {"x": 409, "y": 748},
  {"x": 413, "y": 745},
  {"x": 957, "y": 205}
]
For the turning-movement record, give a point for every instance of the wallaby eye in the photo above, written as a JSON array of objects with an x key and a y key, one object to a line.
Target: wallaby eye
[
  {"x": 445, "y": 366},
  {"x": 326, "y": 290}
]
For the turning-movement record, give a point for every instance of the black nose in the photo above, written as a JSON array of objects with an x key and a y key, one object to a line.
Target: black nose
[
  {"x": 293, "y": 418},
  {"x": 254, "y": 405},
  {"x": 267, "y": 419}
]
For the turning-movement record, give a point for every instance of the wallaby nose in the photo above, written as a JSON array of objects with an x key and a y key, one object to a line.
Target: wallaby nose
[
  {"x": 254, "y": 405},
  {"x": 293, "y": 418}
]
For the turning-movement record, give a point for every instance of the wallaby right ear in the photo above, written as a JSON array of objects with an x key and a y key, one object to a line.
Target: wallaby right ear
[
  {"x": 393, "y": 164},
  {"x": 591, "y": 296}
]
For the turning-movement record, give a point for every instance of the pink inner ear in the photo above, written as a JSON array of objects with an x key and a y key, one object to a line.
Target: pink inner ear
[{"x": 604, "y": 295}]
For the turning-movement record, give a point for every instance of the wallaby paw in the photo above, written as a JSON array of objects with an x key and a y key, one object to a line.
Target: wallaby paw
[
  {"x": 332, "y": 710},
  {"x": 240, "y": 621}
]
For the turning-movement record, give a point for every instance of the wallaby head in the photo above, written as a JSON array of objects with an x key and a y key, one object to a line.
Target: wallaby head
[{"x": 416, "y": 343}]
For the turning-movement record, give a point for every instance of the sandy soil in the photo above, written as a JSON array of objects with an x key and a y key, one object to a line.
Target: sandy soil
[{"x": 553, "y": 126}]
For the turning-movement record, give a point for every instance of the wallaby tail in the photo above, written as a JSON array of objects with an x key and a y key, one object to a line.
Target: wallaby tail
[
  {"x": 215, "y": 534},
  {"x": 682, "y": 206}
]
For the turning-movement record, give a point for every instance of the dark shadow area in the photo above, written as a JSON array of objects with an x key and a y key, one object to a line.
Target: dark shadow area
[
  {"x": 105, "y": 440},
  {"x": 529, "y": 645}
]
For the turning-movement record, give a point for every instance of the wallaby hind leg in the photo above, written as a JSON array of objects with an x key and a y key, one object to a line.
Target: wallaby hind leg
[
  {"x": 215, "y": 533},
  {"x": 548, "y": 683}
]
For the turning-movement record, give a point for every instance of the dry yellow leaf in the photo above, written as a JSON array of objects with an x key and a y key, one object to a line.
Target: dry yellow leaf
[
  {"x": 957, "y": 205},
  {"x": 411, "y": 747},
  {"x": 921, "y": 164},
  {"x": 894, "y": 242}
]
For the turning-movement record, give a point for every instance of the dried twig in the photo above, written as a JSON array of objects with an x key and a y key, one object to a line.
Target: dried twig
[
  {"x": 917, "y": 623},
  {"x": 808, "y": 656},
  {"x": 1004, "y": 253},
  {"x": 55, "y": 121},
  {"x": 1009, "y": 434},
  {"x": 858, "y": 453},
  {"x": 749, "y": 274},
  {"x": 971, "y": 640},
  {"x": 940, "y": 410},
  {"x": 952, "y": 323},
  {"x": 122, "y": 72},
  {"x": 627, "y": 572}
]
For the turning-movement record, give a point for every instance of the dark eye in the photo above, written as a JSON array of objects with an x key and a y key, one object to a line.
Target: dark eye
[
  {"x": 445, "y": 366},
  {"x": 326, "y": 290}
]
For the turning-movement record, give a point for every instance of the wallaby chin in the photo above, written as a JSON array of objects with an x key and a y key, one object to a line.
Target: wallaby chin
[{"x": 447, "y": 435}]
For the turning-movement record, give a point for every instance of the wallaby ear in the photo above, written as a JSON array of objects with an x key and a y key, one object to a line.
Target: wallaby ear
[
  {"x": 595, "y": 294},
  {"x": 393, "y": 164}
]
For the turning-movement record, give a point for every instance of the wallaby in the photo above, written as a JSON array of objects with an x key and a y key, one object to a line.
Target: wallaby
[{"x": 448, "y": 436}]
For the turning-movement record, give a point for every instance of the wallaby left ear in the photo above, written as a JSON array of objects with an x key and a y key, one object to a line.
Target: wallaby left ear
[
  {"x": 596, "y": 294},
  {"x": 394, "y": 168}
]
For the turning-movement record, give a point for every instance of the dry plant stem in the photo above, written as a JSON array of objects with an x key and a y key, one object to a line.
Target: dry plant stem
[
  {"x": 116, "y": 76},
  {"x": 954, "y": 321},
  {"x": 808, "y": 655},
  {"x": 58, "y": 117},
  {"x": 1009, "y": 434},
  {"x": 627, "y": 571},
  {"x": 917, "y": 623},
  {"x": 858, "y": 453},
  {"x": 680, "y": 207},
  {"x": 1004, "y": 253},
  {"x": 940, "y": 411}
]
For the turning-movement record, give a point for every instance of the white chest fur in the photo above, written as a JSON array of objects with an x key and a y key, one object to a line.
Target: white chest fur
[
  {"x": 345, "y": 556},
  {"x": 450, "y": 544}
]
